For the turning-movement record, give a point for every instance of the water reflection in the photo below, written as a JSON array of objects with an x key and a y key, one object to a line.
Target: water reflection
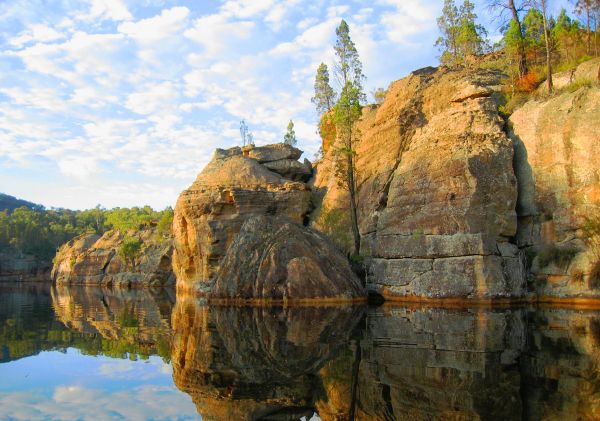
[
  {"x": 388, "y": 363},
  {"x": 262, "y": 363}
]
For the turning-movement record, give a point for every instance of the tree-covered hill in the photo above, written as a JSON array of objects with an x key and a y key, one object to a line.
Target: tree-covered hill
[{"x": 10, "y": 203}]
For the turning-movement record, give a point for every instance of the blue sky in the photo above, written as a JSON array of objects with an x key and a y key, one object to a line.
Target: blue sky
[{"x": 121, "y": 102}]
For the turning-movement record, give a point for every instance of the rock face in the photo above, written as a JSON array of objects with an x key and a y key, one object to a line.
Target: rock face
[
  {"x": 436, "y": 190},
  {"x": 95, "y": 260},
  {"x": 234, "y": 186},
  {"x": 278, "y": 369},
  {"x": 276, "y": 259},
  {"x": 15, "y": 266},
  {"x": 557, "y": 160},
  {"x": 588, "y": 71}
]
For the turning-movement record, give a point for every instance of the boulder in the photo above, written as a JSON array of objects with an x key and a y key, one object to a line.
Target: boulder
[
  {"x": 435, "y": 184},
  {"x": 96, "y": 260},
  {"x": 228, "y": 191},
  {"x": 270, "y": 153},
  {"x": 557, "y": 161},
  {"x": 291, "y": 169},
  {"x": 276, "y": 259}
]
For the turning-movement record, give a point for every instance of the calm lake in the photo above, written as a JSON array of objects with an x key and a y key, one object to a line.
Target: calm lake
[{"x": 98, "y": 354}]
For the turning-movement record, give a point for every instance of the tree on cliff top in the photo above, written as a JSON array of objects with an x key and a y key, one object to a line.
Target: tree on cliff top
[
  {"x": 347, "y": 111},
  {"x": 290, "y": 136},
  {"x": 461, "y": 35},
  {"x": 514, "y": 39},
  {"x": 324, "y": 98}
]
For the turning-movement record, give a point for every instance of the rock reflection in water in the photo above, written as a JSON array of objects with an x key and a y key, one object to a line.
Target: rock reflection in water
[
  {"x": 128, "y": 321},
  {"x": 263, "y": 363}
]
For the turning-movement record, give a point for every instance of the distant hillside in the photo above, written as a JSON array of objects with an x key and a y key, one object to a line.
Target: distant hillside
[{"x": 11, "y": 203}]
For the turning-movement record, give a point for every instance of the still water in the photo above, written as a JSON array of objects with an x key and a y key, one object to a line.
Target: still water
[{"x": 98, "y": 354}]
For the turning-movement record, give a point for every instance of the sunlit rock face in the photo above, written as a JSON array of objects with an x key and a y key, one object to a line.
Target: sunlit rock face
[
  {"x": 438, "y": 364},
  {"x": 246, "y": 363},
  {"x": 436, "y": 189},
  {"x": 276, "y": 259},
  {"x": 557, "y": 160},
  {"x": 96, "y": 260},
  {"x": 236, "y": 185},
  {"x": 134, "y": 321}
]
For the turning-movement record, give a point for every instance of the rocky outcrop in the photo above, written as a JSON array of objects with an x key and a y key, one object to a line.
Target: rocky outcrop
[
  {"x": 99, "y": 260},
  {"x": 587, "y": 72},
  {"x": 16, "y": 266},
  {"x": 557, "y": 161},
  {"x": 436, "y": 190},
  {"x": 234, "y": 186},
  {"x": 273, "y": 371},
  {"x": 276, "y": 259}
]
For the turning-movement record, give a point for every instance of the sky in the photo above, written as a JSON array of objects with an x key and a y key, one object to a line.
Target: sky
[{"x": 122, "y": 102}]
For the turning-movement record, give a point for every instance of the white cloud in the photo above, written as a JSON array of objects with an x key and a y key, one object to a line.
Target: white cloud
[
  {"x": 36, "y": 33},
  {"x": 114, "y": 10},
  {"x": 78, "y": 166},
  {"x": 216, "y": 34},
  {"x": 152, "y": 98},
  {"x": 155, "y": 29}
]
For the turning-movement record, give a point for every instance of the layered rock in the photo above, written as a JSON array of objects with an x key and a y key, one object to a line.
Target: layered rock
[
  {"x": 272, "y": 371},
  {"x": 98, "y": 260},
  {"x": 557, "y": 162},
  {"x": 236, "y": 185},
  {"x": 436, "y": 189},
  {"x": 276, "y": 259}
]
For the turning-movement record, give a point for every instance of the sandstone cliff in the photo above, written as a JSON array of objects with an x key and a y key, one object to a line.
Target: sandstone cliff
[
  {"x": 236, "y": 185},
  {"x": 436, "y": 189},
  {"x": 98, "y": 260},
  {"x": 557, "y": 161}
]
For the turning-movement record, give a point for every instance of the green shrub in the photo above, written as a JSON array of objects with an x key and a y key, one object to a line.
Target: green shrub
[
  {"x": 561, "y": 256},
  {"x": 335, "y": 223},
  {"x": 130, "y": 248}
]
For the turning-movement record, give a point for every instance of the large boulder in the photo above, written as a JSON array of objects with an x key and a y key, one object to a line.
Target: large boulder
[
  {"x": 233, "y": 187},
  {"x": 557, "y": 161},
  {"x": 436, "y": 190},
  {"x": 276, "y": 259},
  {"x": 98, "y": 260}
]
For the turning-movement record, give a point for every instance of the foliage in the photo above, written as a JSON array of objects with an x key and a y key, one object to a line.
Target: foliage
[
  {"x": 165, "y": 223},
  {"x": 290, "y": 135},
  {"x": 336, "y": 224},
  {"x": 347, "y": 112},
  {"x": 379, "y": 95},
  {"x": 461, "y": 35},
  {"x": 39, "y": 232},
  {"x": 325, "y": 96},
  {"x": 130, "y": 248}
]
